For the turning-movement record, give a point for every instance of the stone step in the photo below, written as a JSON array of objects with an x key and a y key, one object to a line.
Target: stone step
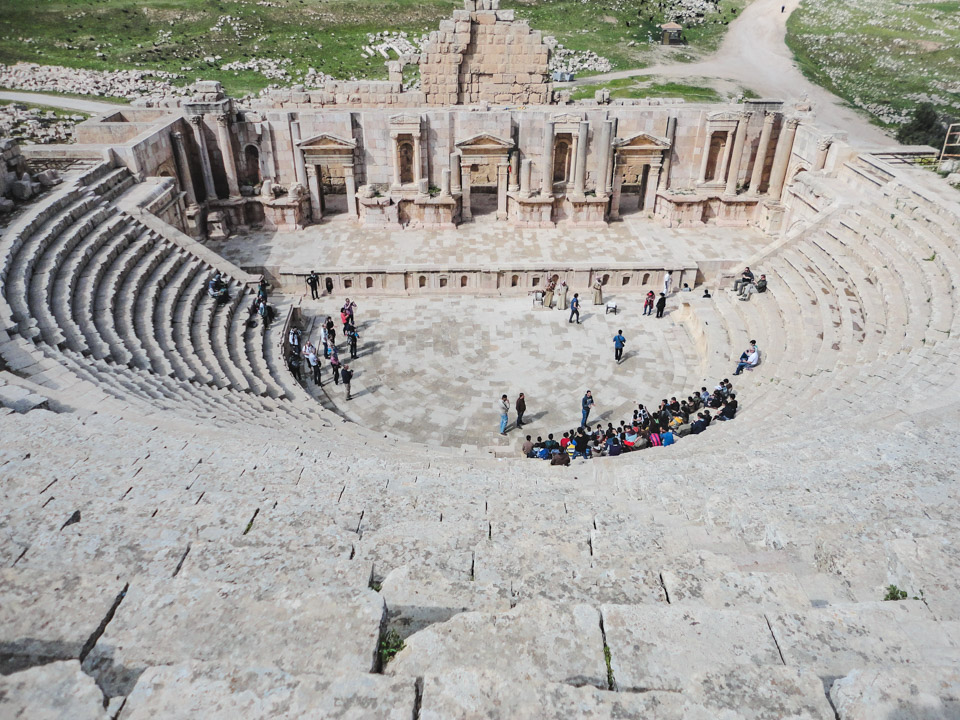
[
  {"x": 145, "y": 310},
  {"x": 128, "y": 294},
  {"x": 164, "y": 317}
]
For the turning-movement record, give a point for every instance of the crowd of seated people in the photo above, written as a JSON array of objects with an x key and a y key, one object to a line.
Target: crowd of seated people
[{"x": 658, "y": 427}]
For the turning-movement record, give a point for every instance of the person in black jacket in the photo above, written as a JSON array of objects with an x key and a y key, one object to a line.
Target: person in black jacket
[{"x": 661, "y": 305}]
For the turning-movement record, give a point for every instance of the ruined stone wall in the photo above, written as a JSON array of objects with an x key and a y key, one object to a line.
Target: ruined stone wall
[{"x": 484, "y": 55}]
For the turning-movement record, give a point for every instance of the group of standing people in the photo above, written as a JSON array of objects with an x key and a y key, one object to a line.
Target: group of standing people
[{"x": 310, "y": 354}]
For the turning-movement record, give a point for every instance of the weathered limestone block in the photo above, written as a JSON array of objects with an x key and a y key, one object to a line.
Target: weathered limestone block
[
  {"x": 447, "y": 547},
  {"x": 418, "y": 597},
  {"x": 466, "y": 693},
  {"x": 50, "y": 616},
  {"x": 659, "y": 647},
  {"x": 298, "y": 629},
  {"x": 537, "y": 640},
  {"x": 922, "y": 693},
  {"x": 50, "y": 692},
  {"x": 202, "y": 690},
  {"x": 841, "y": 638}
]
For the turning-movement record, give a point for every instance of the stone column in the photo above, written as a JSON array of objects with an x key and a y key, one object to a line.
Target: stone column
[
  {"x": 580, "y": 172},
  {"x": 503, "y": 171},
  {"x": 298, "y": 163},
  {"x": 653, "y": 182},
  {"x": 603, "y": 147},
  {"x": 725, "y": 161},
  {"x": 823, "y": 147},
  {"x": 208, "y": 185},
  {"x": 782, "y": 158},
  {"x": 313, "y": 183},
  {"x": 526, "y": 171},
  {"x": 733, "y": 174},
  {"x": 668, "y": 153},
  {"x": 702, "y": 178},
  {"x": 465, "y": 211},
  {"x": 616, "y": 190},
  {"x": 455, "y": 173},
  {"x": 445, "y": 183},
  {"x": 226, "y": 150},
  {"x": 396, "y": 159},
  {"x": 514, "y": 184},
  {"x": 546, "y": 161},
  {"x": 570, "y": 170},
  {"x": 417, "y": 161},
  {"x": 611, "y": 156},
  {"x": 186, "y": 178},
  {"x": 351, "y": 184},
  {"x": 757, "y": 176}
]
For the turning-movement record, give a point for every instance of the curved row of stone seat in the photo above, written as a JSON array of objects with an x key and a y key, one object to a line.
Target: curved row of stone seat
[{"x": 85, "y": 277}]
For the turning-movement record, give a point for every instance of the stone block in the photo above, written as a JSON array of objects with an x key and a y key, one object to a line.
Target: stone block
[
  {"x": 920, "y": 693},
  {"x": 202, "y": 690},
  {"x": 505, "y": 15},
  {"x": 543, "y": 641},
  {"x": 485, "y": 18},
  {"x": 54, "y": 690},
  {"x": 654, "y": 647},
  {"x": 21, "y": 189},
  {"x": 299, "y": 629},
  {"x": 447, "y": 26}
]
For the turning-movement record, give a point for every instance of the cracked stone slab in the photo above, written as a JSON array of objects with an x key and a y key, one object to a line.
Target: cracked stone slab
[
  {"x": 464, "y": 693},
  {"x": 659, "y": 647},
  {"x": 212, "y": 692},
  {"x": 50, "y": 615},
  {"x": 300, "y": 630},
  {"x": 541, "y": 640},
  {"x": 759, "y": 693},
  {"x": 904, "y": 693},
  {"x": 417, "y": 597},
  {"x": 734, "y": 589},
  {"x": 446, "y": 546},
  {"x": 51, "y": 692},
  {"x": 838, "y": 639}
]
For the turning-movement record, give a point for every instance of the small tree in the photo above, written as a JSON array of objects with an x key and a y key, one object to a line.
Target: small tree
[{"x": 926, "y": 128}]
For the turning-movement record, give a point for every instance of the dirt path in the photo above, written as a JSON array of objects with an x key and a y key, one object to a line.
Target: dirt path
[
  {"x": 754, "y": 54},
  {"x": 58, "y": 101}
]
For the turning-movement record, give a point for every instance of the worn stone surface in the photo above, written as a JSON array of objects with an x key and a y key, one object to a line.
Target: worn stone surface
[
  {"x": 657, "y": 648},
  {"x": 300, "y": 629},
  {"x": 417, "y": 597},
  {"x": 50, "y": 616},
  {"x": 260, "y": 691},
  {"x": 50, "y": 692},
  {"x": 540, "y": 640},
  {"x": 920, "y": 693},
  {"x": 836, "y": 640}
]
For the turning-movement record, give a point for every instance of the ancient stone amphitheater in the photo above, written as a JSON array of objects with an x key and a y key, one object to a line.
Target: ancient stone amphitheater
[{"x": 186, "y": 532}]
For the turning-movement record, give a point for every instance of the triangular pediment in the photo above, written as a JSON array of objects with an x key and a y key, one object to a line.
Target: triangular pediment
[
  {"x": 725, "y": 116},
  {"x": 567, "y": 119},
  {"x": 327, "y": 141},
  {"x": 643, "y": 140},
  {"x": 485, "y": 140}
]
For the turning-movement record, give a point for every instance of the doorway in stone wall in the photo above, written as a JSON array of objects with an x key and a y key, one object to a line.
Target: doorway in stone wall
[{"x": 483, "y": 191}]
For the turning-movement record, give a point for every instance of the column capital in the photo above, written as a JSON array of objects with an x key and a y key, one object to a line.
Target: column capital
[
  {"x": 824, "y": 143},
  {"x": 311, "y": 170},
  {"x": 196, "y": 119},
  {"x": 792, "y": 123},
  {"x": 769, "y": 117},
  {"x": 177, "y": 136},
  {"x": 223, "y": 120}
]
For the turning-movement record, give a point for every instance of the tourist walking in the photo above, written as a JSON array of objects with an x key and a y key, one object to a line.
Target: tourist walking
[
  {"x": 346, "y": 375},
  {"x": 353, "y": 336},
  {"x": 575, "y": 308},
  {"x": 335, "y": 366},
  {"x": 294, "y": 339},
  {"x": 618, "y": 342},
  {"x": 661, "y": 304},
  {"x": 313, "y": 282},
  {"x": 648, "y": 302},
  {"x": 310, "y": 353},
  {"x": 293, "y": 362},
  {"x": 562, "y": 295},
  {"x": 504, "y": 413},
  {"x": 521, "y": 409},
  {"x": 598, "y": 292},
  {"x": 586, "y": 405},
  {"x": 667, "y": 283},
  {"x": 548, "y": 294}
]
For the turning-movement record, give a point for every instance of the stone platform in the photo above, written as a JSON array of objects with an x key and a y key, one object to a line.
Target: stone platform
[
  {"x": 432, "y": 370},
  {"x": 338, "y": 244}
]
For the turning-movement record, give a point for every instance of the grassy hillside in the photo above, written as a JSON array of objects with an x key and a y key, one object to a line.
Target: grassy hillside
[
  {"x": 884, "y": 56},
  {"x": 293, "y": 35}
]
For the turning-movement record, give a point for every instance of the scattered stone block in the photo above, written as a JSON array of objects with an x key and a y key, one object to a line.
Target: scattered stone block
[{"x": 50, "y": 692}]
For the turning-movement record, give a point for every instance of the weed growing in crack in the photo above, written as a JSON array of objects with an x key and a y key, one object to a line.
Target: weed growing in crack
[{"x": 390, "y": 644}]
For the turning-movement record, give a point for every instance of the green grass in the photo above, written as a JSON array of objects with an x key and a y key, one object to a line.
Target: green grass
[
  {"x": 59, "y": 112},
  {"x": 324, "y": 34},
  {"x": 882, "y": 56},
  {"x": 642, "y": 86}
]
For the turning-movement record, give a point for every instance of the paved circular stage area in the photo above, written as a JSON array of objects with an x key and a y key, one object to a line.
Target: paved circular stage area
[{"x": 432, "y": 370}]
